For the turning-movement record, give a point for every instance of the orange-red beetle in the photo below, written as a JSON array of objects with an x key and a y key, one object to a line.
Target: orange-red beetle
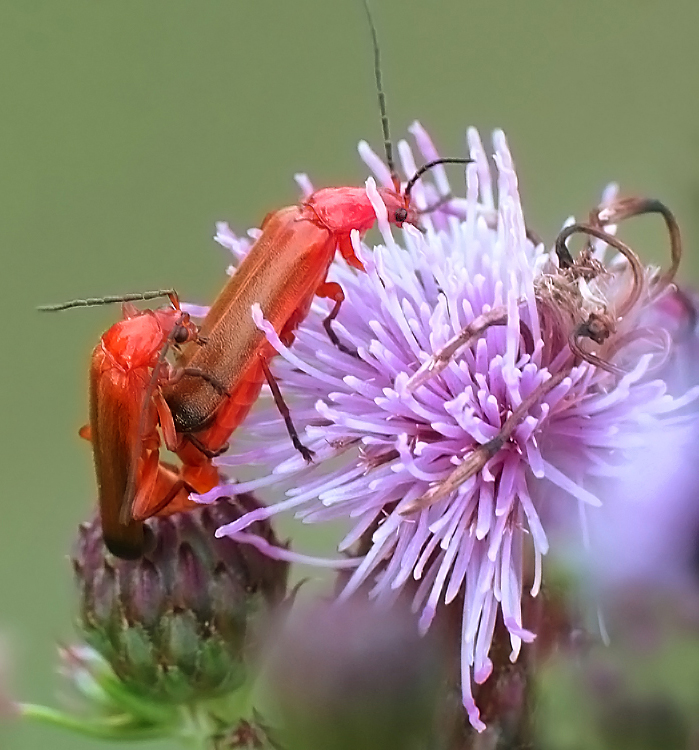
[
  {"x": 285, "y": 268},
  {"x": 127, "y": 372},
  {"x": 223, "y": 367},
  {"x": 199, "y": 403}
]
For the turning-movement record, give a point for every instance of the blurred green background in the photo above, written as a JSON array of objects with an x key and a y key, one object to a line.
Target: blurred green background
[{"x": 127, "y": 127}]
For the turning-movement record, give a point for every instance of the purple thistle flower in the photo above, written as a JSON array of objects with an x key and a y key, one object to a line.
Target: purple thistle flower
[{"x": 454, "y": 472}]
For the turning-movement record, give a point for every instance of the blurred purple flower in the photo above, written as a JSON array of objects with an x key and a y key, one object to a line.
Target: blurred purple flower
[
  {"x": 369, "y": 681},
  {"x": 571, "y": 424},
  {"x": 647, "y": 532}
]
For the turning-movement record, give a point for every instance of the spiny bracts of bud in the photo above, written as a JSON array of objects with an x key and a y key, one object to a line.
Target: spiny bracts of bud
[{"x": 181, "y": 623}]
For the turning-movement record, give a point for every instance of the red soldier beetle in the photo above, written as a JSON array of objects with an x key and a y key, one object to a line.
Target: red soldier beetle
[
  {"x": 200, "y": 403},
  {"x": 127, "y": 372},
  {"x": 284, "y": 270}
]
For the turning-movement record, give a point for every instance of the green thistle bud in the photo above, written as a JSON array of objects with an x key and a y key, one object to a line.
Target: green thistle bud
[{"x": 180, "y": 624}]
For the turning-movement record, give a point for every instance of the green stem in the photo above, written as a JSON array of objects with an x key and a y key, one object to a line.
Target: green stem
[
  {"x": 198, "y": 728},
  {"x": 120, "y": 727}
]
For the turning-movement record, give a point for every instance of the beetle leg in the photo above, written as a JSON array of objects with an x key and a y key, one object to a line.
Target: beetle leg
[
  {"x": 332, "y": 290},
  {"x": 344, "y": 244},
  {"x": 166, "y": 501},
  {"x": 166, "y": 422},
  {"x": 141, "y": 507},
  {"x": 162, "y": 491},
  {"x": 199, "y": 478},
  {"x": 307, "y": 453},
  {"x": 208, "y": 452}
]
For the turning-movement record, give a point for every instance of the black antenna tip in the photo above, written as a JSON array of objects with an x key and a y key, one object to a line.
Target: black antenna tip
[
  {"x": 431, "y": 164},
  {"x": 388, "y": 145}
]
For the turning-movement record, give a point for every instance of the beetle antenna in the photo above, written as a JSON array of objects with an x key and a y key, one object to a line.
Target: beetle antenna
[
  {"x": 430, "y": 164},
  {"x": 109, "y": 300},
  {"x": 388, "y": 144}
]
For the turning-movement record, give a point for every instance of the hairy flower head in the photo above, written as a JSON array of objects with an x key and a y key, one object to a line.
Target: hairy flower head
[{"x": 450, "y": 467}]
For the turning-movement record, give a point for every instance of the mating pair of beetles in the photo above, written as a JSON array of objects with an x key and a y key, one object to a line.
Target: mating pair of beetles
[{"x": 137, "y": 396}]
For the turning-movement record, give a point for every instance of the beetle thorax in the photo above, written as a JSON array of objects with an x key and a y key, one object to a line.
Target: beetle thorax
[
  {"x": 134, "y": 342},
  {"x": 340, "y": 210},
  {"x": 343, "y": 209}
]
